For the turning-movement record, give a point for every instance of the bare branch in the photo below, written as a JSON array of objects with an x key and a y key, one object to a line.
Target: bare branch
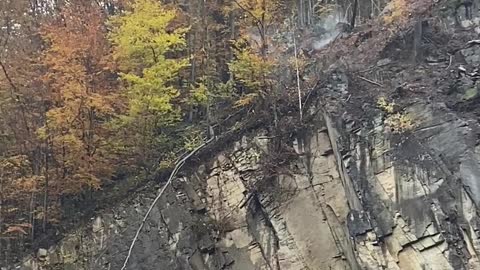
[
  {"x": 248, "y": 11},
  {"x": 473, "y": 42},
  {"x": 370, "y": 81},
  {"x": 177, "y": 168},
  {"x": 7, "y": 76},
  {"x": 298, "y": 79},
  {"x": 258, "y": 22}
]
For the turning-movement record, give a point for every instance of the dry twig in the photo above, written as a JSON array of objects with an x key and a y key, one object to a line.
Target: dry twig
[
  {"x": 178, "y": 166},
  {"x": 298, "y": 79},
  {"x": 370, "y": 81}
]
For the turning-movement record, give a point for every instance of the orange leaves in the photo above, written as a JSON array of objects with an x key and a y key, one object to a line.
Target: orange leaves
[
  {"x": 17, "y": 177},
  {"x": 77, "y": 31},
  {"x": 18, "y": 229},
  {"x": 246, "y": 100},
  {"x": 83, "y": 97},
  {"x": 28, "y": 184}
]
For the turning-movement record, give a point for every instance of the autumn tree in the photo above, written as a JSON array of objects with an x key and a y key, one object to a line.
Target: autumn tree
[
  {"x": 253, "y": 71},
  {"x": 81, "y": 99},
  {"x": 255, "y": 60},
  {"x": 82, "y": 94},
  {"x": 146, "y": 46},
  {"x": 207, "y": 39},
  {"x": 45, "y": 151},
  {"x": 17, "y": 73},
  {"x": 19, "y": 184},
  {"x": 20, "y": 114}
]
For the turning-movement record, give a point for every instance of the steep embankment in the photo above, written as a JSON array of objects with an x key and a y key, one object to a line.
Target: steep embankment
[{"x": 384, "y": 175}]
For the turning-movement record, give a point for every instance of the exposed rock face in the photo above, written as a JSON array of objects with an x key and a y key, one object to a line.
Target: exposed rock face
[
  {"x": 215, "y": 219},
  {"x": 356, "y": 197}
]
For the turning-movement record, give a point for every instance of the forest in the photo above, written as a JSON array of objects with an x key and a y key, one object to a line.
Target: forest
[
  {"x": 239, "y": 134},
  {"x": 98, "y": 97}
]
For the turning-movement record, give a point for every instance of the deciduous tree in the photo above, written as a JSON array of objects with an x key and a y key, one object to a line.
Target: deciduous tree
[
  {"x": 146, "y": 46},
  {"x": 81, "y": 98}
]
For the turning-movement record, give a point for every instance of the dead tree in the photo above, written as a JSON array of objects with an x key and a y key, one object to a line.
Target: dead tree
[
  {"x": 354, "y": 15},
  {"x": 467, "y": 5}
]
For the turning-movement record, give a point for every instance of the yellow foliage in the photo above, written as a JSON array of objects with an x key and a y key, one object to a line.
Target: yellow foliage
[
  {"x": 15, "y": 166},
  {"x": 258, "y": 11},
  {"x": 168, "y": 161},
  {"x": 399, "y": 122},
  {"x": 200, "y": 94},
  {"x": 251, "y": 69},
  {"x": 398, "y": 12},
  {"x": 246, "y": 100},
  {"x": 300, "y": 62},
  {"x": 17, "y": 177},
  {"x": 86, "y": 179},
  {"x": 29, "y": 183},
  {"x": 142, "y": 39},
  {"x": 384, "y": 105}
]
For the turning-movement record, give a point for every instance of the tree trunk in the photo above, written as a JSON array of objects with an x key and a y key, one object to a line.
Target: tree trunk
[
  {"x": 354, "y": 15},
  {"x": 45, "y": 194},
  {"x": 417, "y": 42},
  {"x": 310, "y": 12},
  {"x": 301, "y": 19},
  {"x": 32, "y": 216},
  {"x": 1, "y": 202}
]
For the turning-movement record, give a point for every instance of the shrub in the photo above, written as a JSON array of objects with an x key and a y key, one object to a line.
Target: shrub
[{"x": 398, "y": 122}]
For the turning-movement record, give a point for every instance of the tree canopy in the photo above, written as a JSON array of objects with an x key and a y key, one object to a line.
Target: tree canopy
[{"x": 98, "y": 95}]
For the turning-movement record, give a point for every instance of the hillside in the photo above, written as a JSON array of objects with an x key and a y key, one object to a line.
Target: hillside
[{"x": 246, "y": 134}]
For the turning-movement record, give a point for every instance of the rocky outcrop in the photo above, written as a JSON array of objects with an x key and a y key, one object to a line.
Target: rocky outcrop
[
  {"x": 227, "y": 215},
  {"x": 362, "y": 187},
  {"x": 356, "y": 196}
]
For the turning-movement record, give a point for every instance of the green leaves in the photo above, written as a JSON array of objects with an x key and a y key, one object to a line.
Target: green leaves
[
  {"x": 250, "y": 69},
  {"x": 254, "y": 72},
  {"x": 142, "y": 39},
  {"x": 145, "y": 42}
]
